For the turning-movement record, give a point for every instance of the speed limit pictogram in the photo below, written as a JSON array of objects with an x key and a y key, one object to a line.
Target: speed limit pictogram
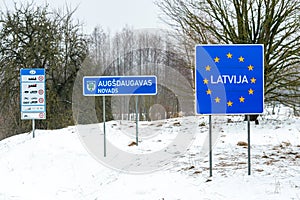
[
  {"x": 41, "y": 115},
  {"x": 41, "y": 78},
  {"x": 41, "y": 100},
  {"x": 41, "y": 92}
]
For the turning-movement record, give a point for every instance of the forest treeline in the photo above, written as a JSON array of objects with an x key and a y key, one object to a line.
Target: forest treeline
[
  {"x": 33, "y": 36},
  {"x": 38, "y": 37}
]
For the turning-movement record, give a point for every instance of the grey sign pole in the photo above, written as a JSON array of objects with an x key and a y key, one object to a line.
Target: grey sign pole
[
  {"x": 249, "y": 146},
  {"x": 137, "y": 120},
  {"x": 104, "y": 131},
  {"x": 210, "y": 147},
  {"x": 33, "y": 128}
]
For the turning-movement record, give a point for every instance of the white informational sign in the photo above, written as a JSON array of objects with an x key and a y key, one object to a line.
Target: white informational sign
[{"x": 33, "y": 93}]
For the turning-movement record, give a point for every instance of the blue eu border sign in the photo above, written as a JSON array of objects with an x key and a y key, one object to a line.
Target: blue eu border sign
[
  {"x": 119, "y": 85},
  {"x": 33, "y": 93},
  {"x": 229, "y": 79}
]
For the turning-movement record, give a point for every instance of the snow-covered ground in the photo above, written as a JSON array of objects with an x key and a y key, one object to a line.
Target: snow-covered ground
[{"x": 55, "y": 165}]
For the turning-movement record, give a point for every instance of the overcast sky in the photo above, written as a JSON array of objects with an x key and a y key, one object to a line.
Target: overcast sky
[{"x": 112, "y": 14}]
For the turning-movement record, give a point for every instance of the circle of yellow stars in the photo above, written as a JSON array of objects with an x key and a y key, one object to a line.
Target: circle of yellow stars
[{"x": 241, "y": 99}]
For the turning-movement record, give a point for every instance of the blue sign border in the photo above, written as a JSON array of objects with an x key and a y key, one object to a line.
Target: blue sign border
[{"x": 210, "y": 62}]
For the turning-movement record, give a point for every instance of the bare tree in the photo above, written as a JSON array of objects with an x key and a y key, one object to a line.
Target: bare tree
[
  {"x": 274, "y": 23},
  {"x": 100, "y": 47},
  {"x": 143, "y": 52},
  {"x": 35, "y": 37}
]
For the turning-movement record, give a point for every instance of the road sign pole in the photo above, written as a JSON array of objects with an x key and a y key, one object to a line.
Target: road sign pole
[
  {"x": 137, "y": 120},
  {"x": 104, "y": 131},
  {"x": 210, "y": 146},
  {"x": 249, "y": 148},
  {"x": 33, "y": 128}
]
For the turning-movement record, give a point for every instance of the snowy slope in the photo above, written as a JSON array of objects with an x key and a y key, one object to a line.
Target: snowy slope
[{"x": 55, "y": 164}]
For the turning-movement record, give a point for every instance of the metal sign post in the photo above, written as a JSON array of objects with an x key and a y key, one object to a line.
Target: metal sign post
[
  {"x": 210, "y": 146},
  {"x": 137, "y": 120},
  {"x": 104, "y": 128},
  {"x": 33, "y": 128},
  {"x": 229, "y": 79},
  {"x": 249, "y": 146}
]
